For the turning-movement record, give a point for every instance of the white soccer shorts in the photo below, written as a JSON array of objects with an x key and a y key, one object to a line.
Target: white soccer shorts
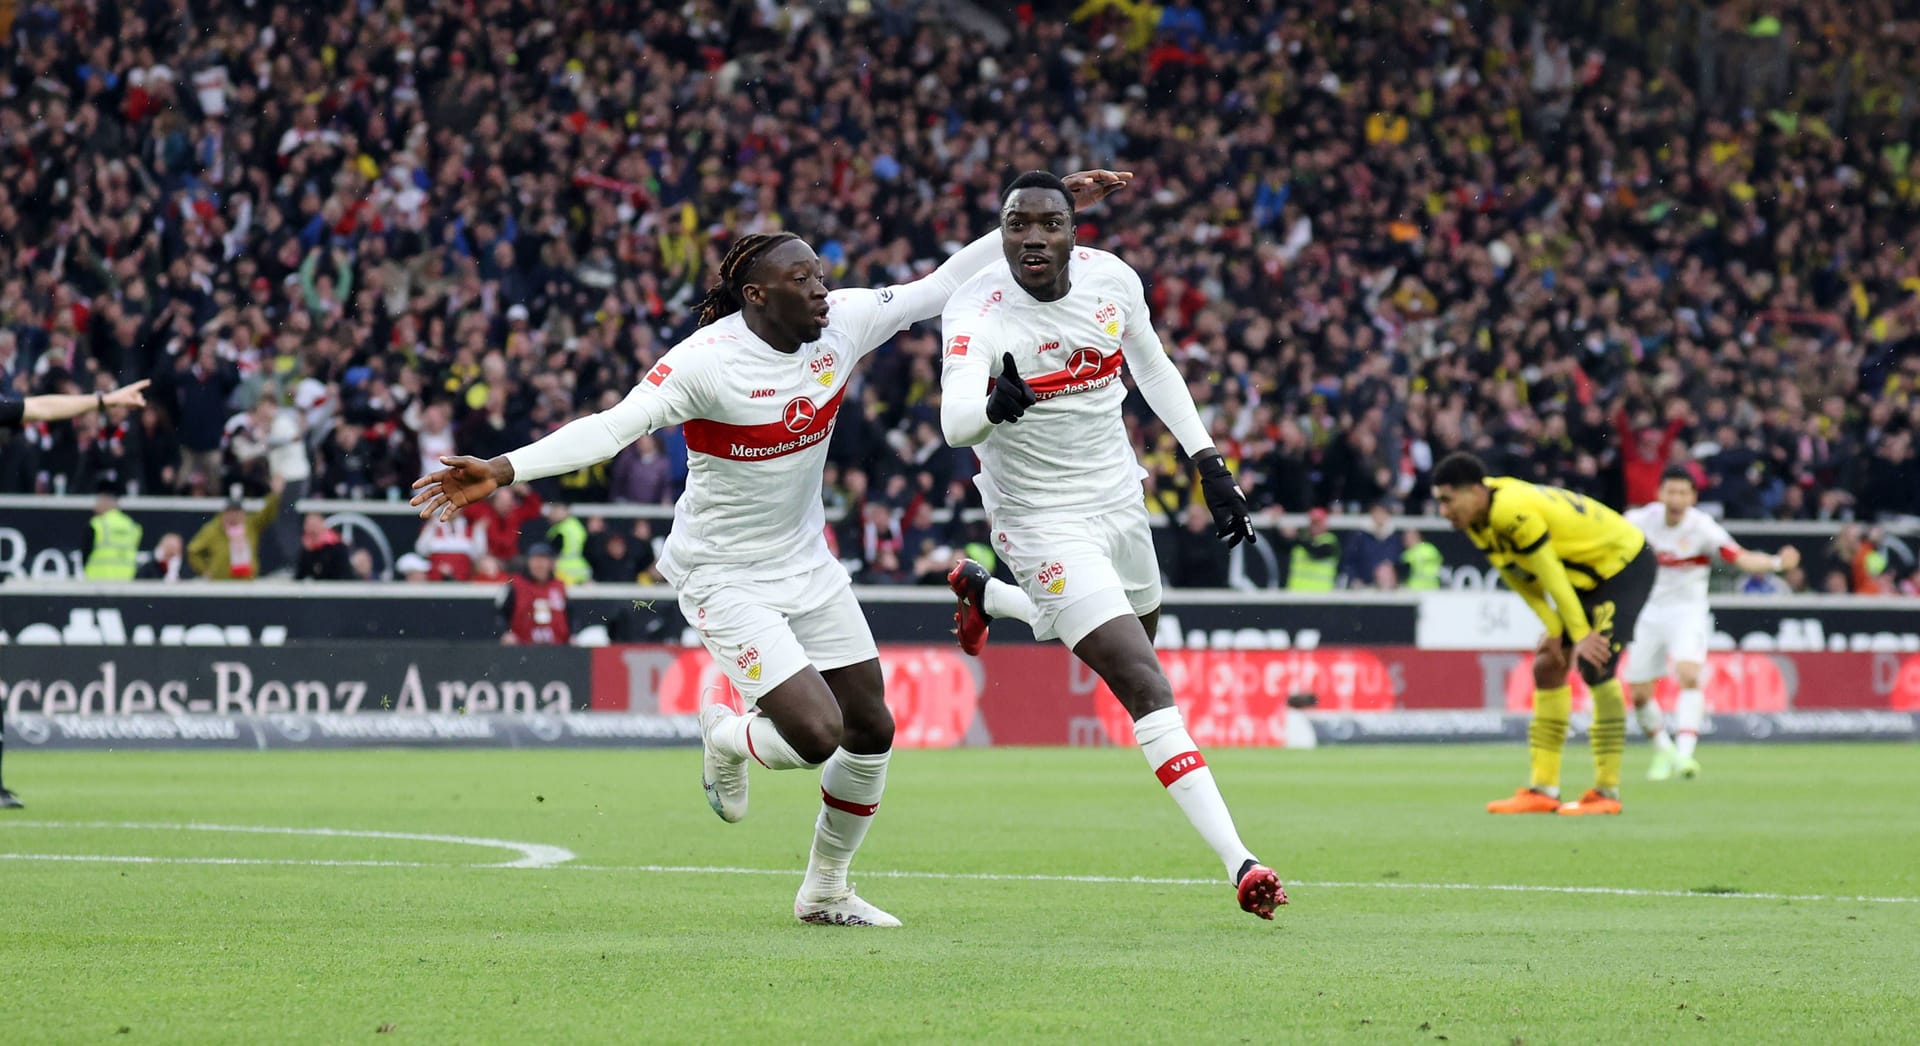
[
  {"x": 1082, "y": 573},
  {"x": 763, "y": 633},
  {"x": 1667, "y": 635}
]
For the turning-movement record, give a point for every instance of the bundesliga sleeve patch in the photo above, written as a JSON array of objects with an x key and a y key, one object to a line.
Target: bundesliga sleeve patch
[
  {"x": 658, "y": 375},
  {"x": 957, "y": 345}
]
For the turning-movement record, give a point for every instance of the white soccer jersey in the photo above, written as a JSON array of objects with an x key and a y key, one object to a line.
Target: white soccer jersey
[
  {"x": 756, "y": 421},
  {"x": 1685, "y": 552},
  {"x": 1069, "y": 455}
]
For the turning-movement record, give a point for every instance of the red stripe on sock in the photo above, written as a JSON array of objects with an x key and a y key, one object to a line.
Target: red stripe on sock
[
  {"x": 1179, "y": 766},
  {"x": 856, "y": 809},
  {"x": 1687, "y": 733},
  {"x": 750, "y": 751}
]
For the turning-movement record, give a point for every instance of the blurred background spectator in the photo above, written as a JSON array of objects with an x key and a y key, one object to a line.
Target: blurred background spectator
[{"x": 1581, "y": 239}]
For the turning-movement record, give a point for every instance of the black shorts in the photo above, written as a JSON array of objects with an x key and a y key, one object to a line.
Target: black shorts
[{"x": 1613, "y": 609}]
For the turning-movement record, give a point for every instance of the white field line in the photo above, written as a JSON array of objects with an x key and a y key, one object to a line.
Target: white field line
[
  {"x": 532, "y": 855},
  {"x": 537, "y": 856},
  {"x": 1144, "y": 880}
]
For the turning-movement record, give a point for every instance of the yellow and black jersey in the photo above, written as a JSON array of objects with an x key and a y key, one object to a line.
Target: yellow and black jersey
[{"x": 1592, "y": 541}]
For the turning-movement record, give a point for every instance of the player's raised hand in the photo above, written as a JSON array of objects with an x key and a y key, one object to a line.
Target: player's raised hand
[
  {"x": 464, "y": 481},
  {"x": 1090, "y": 187},
  {"x": 1232, "y": 521},
  {"x": 1011, "y": 395}
]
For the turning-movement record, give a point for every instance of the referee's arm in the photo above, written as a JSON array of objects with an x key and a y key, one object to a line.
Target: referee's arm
[{"x": 14, "y": 413}]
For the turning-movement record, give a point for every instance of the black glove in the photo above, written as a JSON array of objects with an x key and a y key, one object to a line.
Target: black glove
[
  {"x": 1010, "y": 397},
  {"x": 1231, "y": 518}
]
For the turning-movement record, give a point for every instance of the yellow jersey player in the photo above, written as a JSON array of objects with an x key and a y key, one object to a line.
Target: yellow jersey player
[{"x": 1586, "y": 572}]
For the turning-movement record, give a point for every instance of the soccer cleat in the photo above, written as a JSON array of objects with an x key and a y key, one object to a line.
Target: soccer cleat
[
  {"x": 845, "y": 910},
  {"x": 723, "y": 778},
  {"x": 1689, "y": 768},
  {"x": 969, "y": 582},
  {"x": 1662, "y": 767},
  {"x": 1594, "y": 802},
  {"x": 9, "y": 801},
  {"x": 1525, "y": 801},
  {"x": 1260, "y": 890}
]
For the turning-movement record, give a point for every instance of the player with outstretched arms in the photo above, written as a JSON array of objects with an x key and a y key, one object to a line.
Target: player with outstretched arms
[
  {"x": 757, "y": 388},
  {"x": 1061, "y": 485},
  {"x": 1586, "y": 572},
  {"x": 1677, "y": 624}
]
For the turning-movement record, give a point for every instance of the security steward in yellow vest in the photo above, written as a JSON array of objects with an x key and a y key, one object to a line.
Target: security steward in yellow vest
[
  {"x": 1314, "y": 563},
  {"x": 113, "y": 541},
  {"x": 1421, "y": 563}
]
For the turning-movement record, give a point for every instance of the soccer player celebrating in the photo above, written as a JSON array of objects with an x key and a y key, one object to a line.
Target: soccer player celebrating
[
  {"x": 1677, "y": 621},
  {"x": 1061, "y": 485},
  {"x": 1586, "y": 572},
  {"x": 757, "y": 387}
]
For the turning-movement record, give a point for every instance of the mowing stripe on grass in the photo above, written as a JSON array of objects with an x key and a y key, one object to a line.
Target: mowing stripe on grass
[{"x": 538, "y": 856}]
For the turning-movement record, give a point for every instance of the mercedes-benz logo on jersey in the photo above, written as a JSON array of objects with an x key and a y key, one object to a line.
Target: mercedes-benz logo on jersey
[
  {"x": 1084, "y": 363},
  {"x": 799, "y": 414}
]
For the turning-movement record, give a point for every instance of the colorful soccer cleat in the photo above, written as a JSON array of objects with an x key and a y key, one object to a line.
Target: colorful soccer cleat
[
  {"x": 1688, "y": 767},
  {"x": 1260, "y": 890},
  {"x": 969, "y": 582},
  {"x": 845, "y": 910},
  {"x": 724, "y": 778},
  {"x": 1525, "y": 801},
  {"x": 1594, "y": 802}
]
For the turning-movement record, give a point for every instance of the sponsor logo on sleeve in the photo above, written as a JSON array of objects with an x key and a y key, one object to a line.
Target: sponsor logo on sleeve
[
  {"x": 957, "y": 345},
  {"x": 658, "y": 375}
]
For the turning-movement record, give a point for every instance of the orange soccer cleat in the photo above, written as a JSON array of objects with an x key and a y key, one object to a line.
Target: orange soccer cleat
[
  {"x": 1594, "y": 802},
  {"x": 1525, "y": 801}
]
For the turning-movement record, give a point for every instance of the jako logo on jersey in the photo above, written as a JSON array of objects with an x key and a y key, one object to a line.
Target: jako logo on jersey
[
  {"x": 1048, "y": 346},
  {"x": 823, "y": 368},
  {"x": 749, "y": 662},
  {"x": 761, "y": 394},
  {"x": 1083, "y": 364},
  {"x": 1053, "y": 577},
  {"x": 798, "y": 414},
  {"x": 957, "y": 345},
  {"x": 658, "y": 374}
]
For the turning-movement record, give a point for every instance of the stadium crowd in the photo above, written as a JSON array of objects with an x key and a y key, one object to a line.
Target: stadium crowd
[{"x": 1583, "y": 239}]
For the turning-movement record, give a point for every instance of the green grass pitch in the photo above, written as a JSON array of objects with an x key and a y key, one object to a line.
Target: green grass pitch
[{"x": 1392, "y": 935}]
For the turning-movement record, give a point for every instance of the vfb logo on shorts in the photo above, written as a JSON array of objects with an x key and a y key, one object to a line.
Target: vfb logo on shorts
[
  {"x": 823, "y": 367},
  {"x": 1053, "y": 578},
  {"x": 749, "y": 662}
]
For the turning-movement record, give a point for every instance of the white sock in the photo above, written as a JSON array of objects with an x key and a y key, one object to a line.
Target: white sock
[
  {"x": 1177, "y": 762},
  {"x": 1004, "y": 600},
  {"x": 1688, "y": 714},
  {"x": 1651, "y": 725},
  {"x": 850, "y": 787},
  {"x": 751, "y": 737}
]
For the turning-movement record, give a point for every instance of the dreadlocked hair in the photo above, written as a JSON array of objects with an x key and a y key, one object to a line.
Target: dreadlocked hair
[{"x": 724, "y": 299}]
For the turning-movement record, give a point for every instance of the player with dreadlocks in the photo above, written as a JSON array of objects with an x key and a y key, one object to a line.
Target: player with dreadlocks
[{"x": 757, "y": 388}]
